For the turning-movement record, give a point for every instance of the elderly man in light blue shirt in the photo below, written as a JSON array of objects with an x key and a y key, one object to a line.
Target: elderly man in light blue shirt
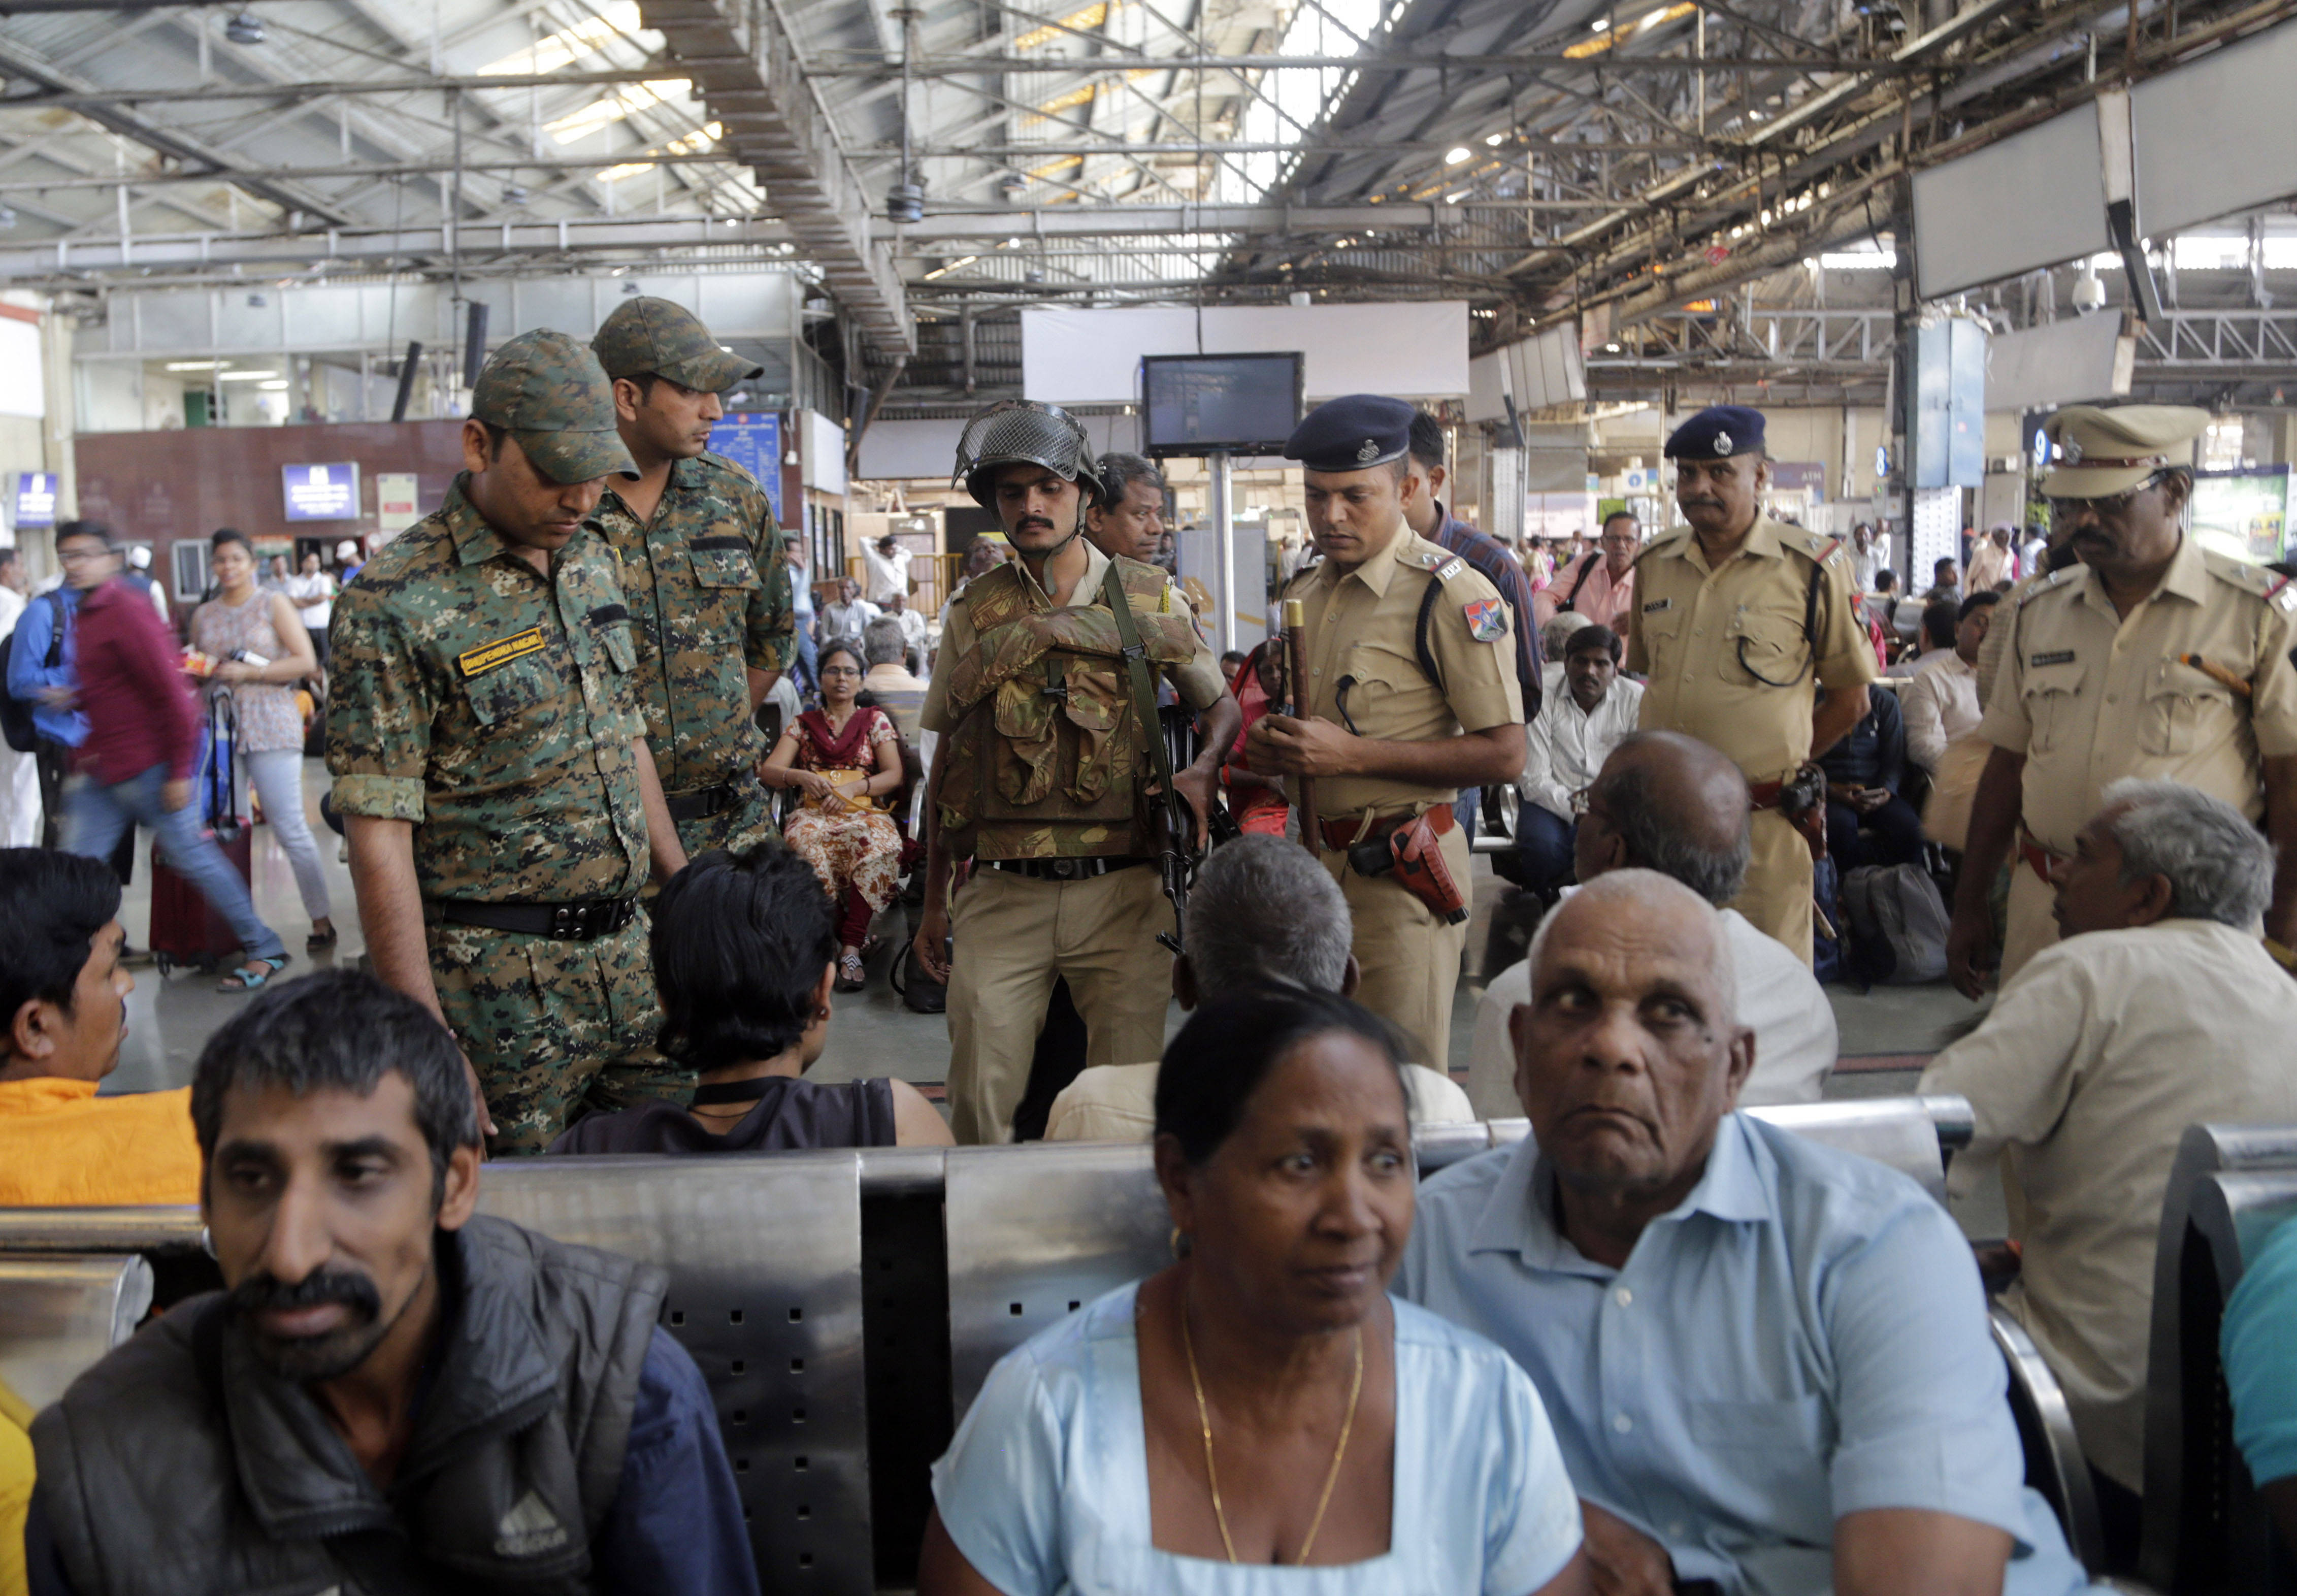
[{"x": 1767, "y": 1361}]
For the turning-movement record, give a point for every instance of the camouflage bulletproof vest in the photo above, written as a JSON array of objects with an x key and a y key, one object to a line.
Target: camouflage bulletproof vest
[{"x": 1048, "y": 759}]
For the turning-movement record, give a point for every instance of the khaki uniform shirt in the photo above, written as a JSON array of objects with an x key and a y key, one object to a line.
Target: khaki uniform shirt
[
  {"x": 1725, "y": 649},
  {"x": 1198, "y": 681},
  {"x": 2089, "y": 697},
  {"x": 708, "y": 585},
  {"x": 494, "y": 707},
  {"x": 1363, "y": 661},
  {"x": 2096, "y": 1057}
]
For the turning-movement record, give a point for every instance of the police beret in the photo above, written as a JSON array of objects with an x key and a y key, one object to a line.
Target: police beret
[
  {"x": 1716, "y": 433},
  {"x": 1353, "y": 433}
]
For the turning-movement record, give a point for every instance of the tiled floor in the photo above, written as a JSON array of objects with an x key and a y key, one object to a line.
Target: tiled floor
[{"x": 1887, "y": 1034}]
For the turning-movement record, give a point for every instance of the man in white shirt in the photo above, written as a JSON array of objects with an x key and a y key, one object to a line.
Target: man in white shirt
[
  {"x": 888, "y": 565},
  {"x": 1569, "y": 741},
  {"x": 1990, "y": 561},
  {"x": 1940, "y": 705},
  {"x": 1669, "y": 803},
  {"x": 2161, "y": 1008},
  {"x": 1263, "y": 910},
  {"x": 912, "y": 623},
  {"x": 849, "y": 615},
  {"x": 20, "y": 776}
]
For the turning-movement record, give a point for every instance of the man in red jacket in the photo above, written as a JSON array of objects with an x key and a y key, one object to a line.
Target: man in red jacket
[{"x": 135, "y": 767}]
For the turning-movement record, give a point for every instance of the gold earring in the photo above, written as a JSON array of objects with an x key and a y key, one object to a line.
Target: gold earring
[{"x": 1180, "y": 1244}]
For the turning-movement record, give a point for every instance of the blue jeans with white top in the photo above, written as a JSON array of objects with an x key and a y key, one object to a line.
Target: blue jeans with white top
[{"x": 98, "y": 814}]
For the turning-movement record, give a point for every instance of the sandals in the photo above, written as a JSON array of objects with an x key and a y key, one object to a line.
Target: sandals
[
  {"x": 851, "y": 975},
  {"x": 319, "y": 942},
  {"x": 250, "y": 978}
]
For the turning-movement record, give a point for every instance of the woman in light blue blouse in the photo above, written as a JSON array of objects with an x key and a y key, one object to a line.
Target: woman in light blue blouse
[{"x": 1264, "y": 1404}]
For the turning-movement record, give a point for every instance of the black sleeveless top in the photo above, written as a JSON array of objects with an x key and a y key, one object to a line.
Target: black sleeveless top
[{"x": 790, "y": 1113}]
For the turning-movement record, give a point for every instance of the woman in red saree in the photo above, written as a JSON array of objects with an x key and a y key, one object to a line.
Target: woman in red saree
[{"x": 847, "y": 761}]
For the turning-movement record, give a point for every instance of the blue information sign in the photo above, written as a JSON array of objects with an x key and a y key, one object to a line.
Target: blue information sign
[
  {"x": 322, "y": 492},
  {"x": 753, "y": 440},
  {"x": 36, "y": 498}
]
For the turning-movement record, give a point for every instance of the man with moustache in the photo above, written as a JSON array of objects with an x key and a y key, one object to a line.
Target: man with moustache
[
  {"x": 1048, "y": 771},
  {"x": 391, "y": 1393},
  {"x": 703, "y": 572},
  {"x": 1413, "y": 695},
  {"x": 2151, "y": 657},
  {"x": 1736, "y": 615},
  {"x": 490, "y": 762}
]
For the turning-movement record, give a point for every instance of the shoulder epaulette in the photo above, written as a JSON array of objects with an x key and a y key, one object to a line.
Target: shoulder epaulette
[
  {"x": 1674, "y": 539},
  {"x": 1819, "y": 546},
  {"x": 2025, "y": 594},
  {"x": 2271, "y": 586}
]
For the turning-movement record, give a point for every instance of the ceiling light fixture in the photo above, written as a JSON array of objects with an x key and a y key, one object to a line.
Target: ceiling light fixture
[
  {"x": 1600, "y": 25},
  {"x": 1456, "y": 154},
  {"x": 245, "y": 376},
  {"x": 1496, "y": 140},
  {"x": 243, "y": 29}
]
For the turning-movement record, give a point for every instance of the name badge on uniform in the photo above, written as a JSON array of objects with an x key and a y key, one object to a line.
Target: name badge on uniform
[
  {"x": 1657, "y": 604},
  {"x": 487, "y": 656},
  {"x": 1486, "y": 620},
  {"x": 2056, "y": 656}
]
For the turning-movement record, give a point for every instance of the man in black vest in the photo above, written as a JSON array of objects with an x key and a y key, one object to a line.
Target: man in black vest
[{"x": 392, "y": 1394}]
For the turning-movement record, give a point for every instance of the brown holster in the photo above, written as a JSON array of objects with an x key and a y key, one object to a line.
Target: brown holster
[
  {"x": 1800, "y": 800},
  {"x": 1413, "y": 848}
]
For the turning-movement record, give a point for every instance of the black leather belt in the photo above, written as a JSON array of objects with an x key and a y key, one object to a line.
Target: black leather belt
[
  {"x": 567, "y": 922},
  {"x": 1062, "y": 869},
  {"x": 701, "y": 805}
]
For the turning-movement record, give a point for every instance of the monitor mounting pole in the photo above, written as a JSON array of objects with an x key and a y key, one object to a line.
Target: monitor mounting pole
[{"x": 1224, "y": 541}]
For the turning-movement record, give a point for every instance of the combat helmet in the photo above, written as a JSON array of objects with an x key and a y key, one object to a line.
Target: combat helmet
[{"x": 1025, "y": 432}]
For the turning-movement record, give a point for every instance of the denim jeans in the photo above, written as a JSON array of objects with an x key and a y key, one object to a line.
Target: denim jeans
[
  {"x": 98, "y": 814},
  {"x": 1542, "y": 860}
]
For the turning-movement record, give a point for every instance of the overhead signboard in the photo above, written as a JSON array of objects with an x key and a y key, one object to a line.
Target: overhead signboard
[
  {"x": 322, "y": 492},
  {"x": 753, "y": 440},
  {"x": 36, "y": 498}
]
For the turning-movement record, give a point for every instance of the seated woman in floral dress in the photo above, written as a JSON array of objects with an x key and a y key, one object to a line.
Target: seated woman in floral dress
[{"x": 846, "y": 760}]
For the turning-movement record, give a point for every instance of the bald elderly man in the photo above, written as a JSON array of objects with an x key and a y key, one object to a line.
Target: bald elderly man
[
  {"x": 1669, "y": 803},
  {"x": 1767, "y": 1360}
]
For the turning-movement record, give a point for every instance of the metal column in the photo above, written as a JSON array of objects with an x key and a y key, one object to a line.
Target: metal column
[{"x": 1224, "y": 541}]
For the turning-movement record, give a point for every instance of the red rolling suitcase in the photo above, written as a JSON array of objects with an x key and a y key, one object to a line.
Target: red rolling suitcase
[{"x": 185, "y": 930}]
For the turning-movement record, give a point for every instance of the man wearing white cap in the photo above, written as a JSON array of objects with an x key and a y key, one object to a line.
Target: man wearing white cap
[
  {"x": 2152, "y": 658},
  {"x": 347, "y": 557}
]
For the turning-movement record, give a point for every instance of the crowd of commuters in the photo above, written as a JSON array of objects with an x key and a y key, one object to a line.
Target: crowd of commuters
[{"x": 1658, "y": 1345}]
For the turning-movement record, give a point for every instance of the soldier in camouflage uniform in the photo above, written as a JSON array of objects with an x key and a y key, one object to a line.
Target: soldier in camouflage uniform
[
  {"x": 1043, "y": 773},
  {"x": 490, "y": 762},
  {"x": 702, "y": 569}
]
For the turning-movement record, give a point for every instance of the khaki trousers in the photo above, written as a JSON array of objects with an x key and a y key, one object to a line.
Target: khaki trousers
[
  {"x": 2032, "y": 927},
  {"x": 1011, "y": 937},
  {"x": 1410, "y": 959},
  {"x": 1776, "y": 899}
]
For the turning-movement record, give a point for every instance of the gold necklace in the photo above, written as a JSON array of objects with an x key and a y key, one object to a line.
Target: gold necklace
[{"x": 1211, "y": 1475}]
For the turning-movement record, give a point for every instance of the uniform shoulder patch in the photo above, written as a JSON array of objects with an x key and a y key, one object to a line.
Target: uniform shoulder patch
[
  {"x": 2048, "y": 584},
  {"x": 2272, "y": 586},
  {"x": 1486, "y": 620},
  {"x": 1446, "y": 570}
]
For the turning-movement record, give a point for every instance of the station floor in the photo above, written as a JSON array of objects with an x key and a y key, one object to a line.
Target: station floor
[{"x": 1887, "y": 1034}]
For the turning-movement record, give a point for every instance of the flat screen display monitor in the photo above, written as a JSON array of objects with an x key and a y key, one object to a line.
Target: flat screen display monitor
[
  {"x": 322, "y": 492},
  {"x": 1221, "y": 404}
]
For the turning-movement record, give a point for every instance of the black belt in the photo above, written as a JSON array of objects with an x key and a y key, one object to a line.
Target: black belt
[
  {"x": 1061, "y": 869},
  {"x": 567, "y": 922},
  {"x": 701, "y": 805}
]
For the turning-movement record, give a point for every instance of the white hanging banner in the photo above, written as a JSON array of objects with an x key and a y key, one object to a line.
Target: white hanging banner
[{"x": 1083, "y": 357}]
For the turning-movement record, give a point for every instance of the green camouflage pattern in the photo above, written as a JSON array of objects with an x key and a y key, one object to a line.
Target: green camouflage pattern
[
  {"x": 1047, "y": 759},
  {"x": 708, "y": 585},
  {"x": 552, "y": 395},
  {"x": 738, "y": 829},
  {"x": 554, "y": 1027},
  {"x": 494, "y": 708},
  {"x": 662, "y": 336}
]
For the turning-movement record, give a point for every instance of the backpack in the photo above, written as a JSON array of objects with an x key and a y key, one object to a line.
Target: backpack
[
  {"x": 16, "y": 714},
  {"x": 1897, "y": 924}
]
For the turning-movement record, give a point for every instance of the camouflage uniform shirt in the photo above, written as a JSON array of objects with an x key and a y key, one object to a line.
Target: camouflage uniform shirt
[
  {"x": 709, "y": 588},
  {"x": 494, "y": 708}
]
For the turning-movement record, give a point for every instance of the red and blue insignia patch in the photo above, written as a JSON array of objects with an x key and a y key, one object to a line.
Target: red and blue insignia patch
[{"x": 1486, "y": 620}]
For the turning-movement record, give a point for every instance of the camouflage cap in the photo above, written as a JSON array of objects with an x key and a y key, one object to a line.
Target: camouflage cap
[
  {"x": 548, "y": 391},
  {"x": 665, "y": 338}
]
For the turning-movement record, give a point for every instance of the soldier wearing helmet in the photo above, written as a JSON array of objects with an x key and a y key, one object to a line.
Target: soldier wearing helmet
[{"x": 1046, "y": 774}]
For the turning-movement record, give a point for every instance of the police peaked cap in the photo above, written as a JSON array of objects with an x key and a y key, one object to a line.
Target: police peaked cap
[
  {"x": 1716, "y": 433},
  {"x": 1353, "y": 433},
  {"x": 1025, "y": 432}
]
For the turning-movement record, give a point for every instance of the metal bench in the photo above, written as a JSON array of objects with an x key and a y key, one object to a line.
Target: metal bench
[
  {"x": 2183, "y": 1504},
  {"x": 61, "y": 1312}
]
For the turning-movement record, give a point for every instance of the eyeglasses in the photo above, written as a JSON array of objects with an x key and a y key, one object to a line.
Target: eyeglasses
[
  {"x": 840, "y": 671},
  {"x": 74, "y": 556},
  {"x": 2065, "y": 512}
]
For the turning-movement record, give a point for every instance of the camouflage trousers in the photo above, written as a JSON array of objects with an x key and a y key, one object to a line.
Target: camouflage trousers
[
  {"x": 739, "y": 827},
  {"x": 555, "y": 1028}
]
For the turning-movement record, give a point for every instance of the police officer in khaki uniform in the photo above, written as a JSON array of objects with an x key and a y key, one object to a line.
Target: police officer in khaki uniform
[
  {"x": 490, "y": 762},
  {"x": 1412, "y": 696},
  {"x": 1734, "y": 616},
  {"x": 1043, "y": 773},
  {"x": 2154, "y": 657},
  {"x": 703, "y": 568}
]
